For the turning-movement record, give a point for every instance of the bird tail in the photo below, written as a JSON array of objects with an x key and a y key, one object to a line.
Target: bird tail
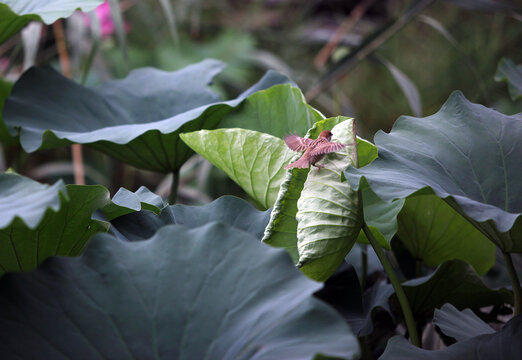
[{"x": 301, "y": 163}]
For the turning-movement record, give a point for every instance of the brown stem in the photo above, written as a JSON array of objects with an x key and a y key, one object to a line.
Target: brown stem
[{"x": 65, "y": 66}]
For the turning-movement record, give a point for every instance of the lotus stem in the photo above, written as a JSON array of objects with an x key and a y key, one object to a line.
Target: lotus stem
[
  {"x": 401, "y": 296},
  {"x": 515, "y": 283},
  {"x": 364, "y": 265},
  {"x": 65, "y": 66},
  {"x": 174, "y": 187}
]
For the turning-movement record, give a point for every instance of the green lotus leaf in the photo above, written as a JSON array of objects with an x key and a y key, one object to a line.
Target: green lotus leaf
[
  {"x": 434, "y": 233},
  {"x": 511, "y": 74},
  {"x": 467, "y": 154},
  {"x": 5, "y": 136},
  {"x": 183, "y": 294},
  {"x": 282, "y": 228},
  {"x": 125, "y": 202},
  {"x": 501, "y": 345},
  {"x": 454, "y": 282},
  {"x": 230, "y": 210},
  {"x": 380, "y": 216},
  {"x": 15, "y": 14},
  {"x": 254, "y": 160},
  {"x": 136, "y": 120},
  {"x": 278, "y": 111},
  {"x": 293, "y": 222},
  {"x": 460, "y": 325},
  {"x": 328, "y": 219},
  {"x": 40, "y": 220}
]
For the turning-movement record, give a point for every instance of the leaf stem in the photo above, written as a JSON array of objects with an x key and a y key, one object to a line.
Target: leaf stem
[
  {"x": 174, "y": 187},
  {"x": 364, "y": 265},
  {"x": 401, "y": 296},
  {"x": 515, "y": 282}
]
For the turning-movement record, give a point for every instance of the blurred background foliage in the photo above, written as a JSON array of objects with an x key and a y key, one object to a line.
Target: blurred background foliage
[{"x": 444, "y": 46}]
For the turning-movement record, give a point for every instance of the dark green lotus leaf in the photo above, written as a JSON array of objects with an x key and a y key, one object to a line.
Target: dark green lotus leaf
[
  {"x": 468, "y": 154},
  {"x": 501, "y": 345},
  {"x": 511, "y": 74},
  {"x": 15, "y": 14},
  {"x": 460, "y": 325},
  {"x": 230, "y": 210},
  {"x": 343, "y": 291},
  {"x": 40, "y": 220},
  {"x": 453, "y": 282},
  {"x": 434, "y": 233},
  {"x": 126, "y": 202},
  {"x": 254, "y": 160},
  {"x": 355, "y": 258},
  {"x": 136, "y": 120},
  {"x": 183, "y": 294}
]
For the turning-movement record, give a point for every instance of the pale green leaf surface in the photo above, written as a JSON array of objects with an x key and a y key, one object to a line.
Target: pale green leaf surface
[
  {"x": 282, "y": 228},
  {"x": 278, "y": 111},
  {"x": 254, "y": 160},
  {"x": 328, "y": 219},
  {"x": 434, "y": 232}
]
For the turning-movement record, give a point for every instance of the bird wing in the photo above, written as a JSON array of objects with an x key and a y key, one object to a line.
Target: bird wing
[
  {"x": 297, "y": 143},
  {"x": 325, "y": 148}
]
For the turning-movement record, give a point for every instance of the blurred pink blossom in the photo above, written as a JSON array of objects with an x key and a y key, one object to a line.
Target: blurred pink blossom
[{"x": 103, "y": 12}]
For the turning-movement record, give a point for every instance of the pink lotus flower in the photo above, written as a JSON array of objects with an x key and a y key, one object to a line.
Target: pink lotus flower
[{"x": 103, "y": 13}]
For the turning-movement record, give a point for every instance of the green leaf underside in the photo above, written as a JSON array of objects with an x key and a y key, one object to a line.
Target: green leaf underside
[
  {"x": 460, "y": 325},
  {"x": 140, "y": 127},
  {"x": 328, "y": 220},
  {"x": 511, "y": 74},
  {"x": 282, "y": 228},
  {"x": 185, "y": 299},
  {"x": 453, "y": 282},
  {"x": 434, "y": 233},
  {"x": 230, "y": 210},
  {"x": 501, "y": 345},
  {"x": 254, "y": 160},
  {"x": 15, "y": 14},
  {"x": 468, "y": 154}
]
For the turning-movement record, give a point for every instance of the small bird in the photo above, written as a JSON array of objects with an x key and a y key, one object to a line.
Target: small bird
[{"x": 314, "y": 150}]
